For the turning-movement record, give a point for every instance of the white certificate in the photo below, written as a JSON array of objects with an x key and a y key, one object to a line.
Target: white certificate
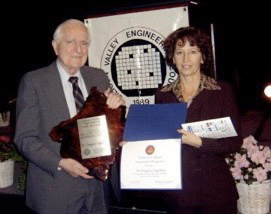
[
  {"x": 151, "y": 164},
  {"x": 94, "y": 137}
]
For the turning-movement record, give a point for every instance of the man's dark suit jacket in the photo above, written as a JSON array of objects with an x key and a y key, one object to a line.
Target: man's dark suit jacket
[{"x": 41, "y": 105}]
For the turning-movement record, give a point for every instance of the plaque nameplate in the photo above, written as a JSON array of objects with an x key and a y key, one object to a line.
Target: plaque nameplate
[{"x": 94, "y": 137}]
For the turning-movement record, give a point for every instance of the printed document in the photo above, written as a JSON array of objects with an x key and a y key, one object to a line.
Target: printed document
[{"x": 214, "y": 128}]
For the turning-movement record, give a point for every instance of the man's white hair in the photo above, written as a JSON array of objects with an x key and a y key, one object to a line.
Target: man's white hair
[{"x": 58, "y": 34}]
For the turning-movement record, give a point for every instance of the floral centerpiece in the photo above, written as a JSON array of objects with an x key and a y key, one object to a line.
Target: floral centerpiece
[
  {"x": 252, "y": 163},
  {"x": 8, "y": 152},
  {"x": 251, "y": 169}
]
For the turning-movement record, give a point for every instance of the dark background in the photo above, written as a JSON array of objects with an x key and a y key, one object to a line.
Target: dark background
[{"x": 242, "y": 39}]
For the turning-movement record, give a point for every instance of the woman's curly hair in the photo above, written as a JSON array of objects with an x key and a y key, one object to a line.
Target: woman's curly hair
[{"x": 196, "y": 38}]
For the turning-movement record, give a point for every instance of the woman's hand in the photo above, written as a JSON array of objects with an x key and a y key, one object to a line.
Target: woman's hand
[
  {"x": 190, "y": 138},
  {"x": 122, "y": 143}
]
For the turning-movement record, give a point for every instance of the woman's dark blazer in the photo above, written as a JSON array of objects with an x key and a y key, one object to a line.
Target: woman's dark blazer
[{"x": 206, "y": 176}]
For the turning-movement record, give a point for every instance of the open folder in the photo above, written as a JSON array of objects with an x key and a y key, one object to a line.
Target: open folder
[
  {"x": 151, "y": 158},
  {"x": 152, "y": 122}
]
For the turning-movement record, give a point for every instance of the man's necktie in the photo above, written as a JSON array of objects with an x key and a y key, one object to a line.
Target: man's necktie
[{"x": 77, "y": 93}]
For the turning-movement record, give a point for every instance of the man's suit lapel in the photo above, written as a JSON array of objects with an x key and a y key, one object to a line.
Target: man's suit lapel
[
  {"x": 89, "y": 82},
  {"x": 55, "y": 93}
]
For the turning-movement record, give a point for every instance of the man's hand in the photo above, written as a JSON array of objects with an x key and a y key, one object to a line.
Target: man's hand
[
  {"x": 74, "y": 168},
  {"x": 190, "y": 138},
  {"x": 113, "y": 100}
]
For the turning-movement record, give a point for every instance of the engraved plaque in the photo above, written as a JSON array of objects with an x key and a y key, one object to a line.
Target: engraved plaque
[
  {"x": 85, "y": 137},
  {"x": 94, "y": 137}
]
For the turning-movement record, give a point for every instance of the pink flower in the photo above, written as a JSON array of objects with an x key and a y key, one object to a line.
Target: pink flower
[
  {"x": 252, "y": 163},
  {"x": 237, "y": 158},
  {"x": 249, "y": 141},
  {"x": 267, "y": 152},
  {"x": 260, "y": 174},
  {"x": 236, "y": 173},
  {"x": 267, "y": 166},
  {"x": 241, "y": 161},
  {"x": 258, "y": 157},
  {"x": 251, "y": 149}
]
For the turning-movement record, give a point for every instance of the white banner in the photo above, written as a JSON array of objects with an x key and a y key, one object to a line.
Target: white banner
[{"x": 129, "y": 48}]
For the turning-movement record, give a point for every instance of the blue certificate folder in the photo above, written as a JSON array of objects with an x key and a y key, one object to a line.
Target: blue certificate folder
[{"x": 154, "y": 122}]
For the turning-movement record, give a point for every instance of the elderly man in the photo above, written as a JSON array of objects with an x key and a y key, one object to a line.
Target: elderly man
[{"x": 46, "y": 97}]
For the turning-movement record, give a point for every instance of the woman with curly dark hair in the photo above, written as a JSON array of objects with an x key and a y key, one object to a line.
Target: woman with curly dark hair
[{"x": 208, "y": 186}]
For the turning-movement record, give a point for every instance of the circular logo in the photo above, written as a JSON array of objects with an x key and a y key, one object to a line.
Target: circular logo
[
  {"x": 138, "y": 68},
  {"x": 133, "y": 59},
  {"x": 150, "y": 149}
]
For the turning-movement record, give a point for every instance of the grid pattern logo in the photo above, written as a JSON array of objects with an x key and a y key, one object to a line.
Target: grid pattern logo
[
  {"x": 134, "y": 62},
  {"x": 138, "y": 68}
]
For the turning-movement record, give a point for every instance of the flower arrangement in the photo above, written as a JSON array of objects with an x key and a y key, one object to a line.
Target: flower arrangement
[
  {"x": 252, "y": 163},
  {"x": 8, "y": 149},
  {"x": 8, "y": 152}
]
